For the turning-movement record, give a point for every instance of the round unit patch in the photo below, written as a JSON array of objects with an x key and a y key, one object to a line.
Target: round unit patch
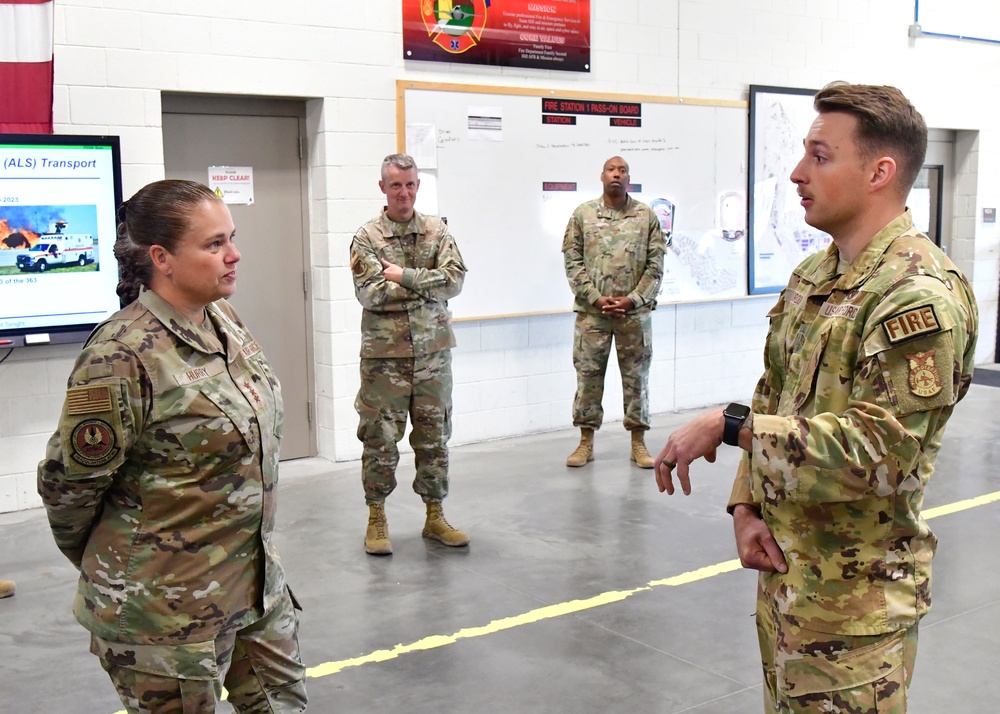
[{"x": 93, "y": 443}]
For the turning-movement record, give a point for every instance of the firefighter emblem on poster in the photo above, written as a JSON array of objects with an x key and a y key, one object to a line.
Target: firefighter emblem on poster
[{"x": 454, "y": 25}]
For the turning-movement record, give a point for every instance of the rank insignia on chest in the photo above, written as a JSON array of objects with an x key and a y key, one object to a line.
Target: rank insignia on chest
[
  {"x": 253, "y": 392},
  {"x": 924, "y": 377}
]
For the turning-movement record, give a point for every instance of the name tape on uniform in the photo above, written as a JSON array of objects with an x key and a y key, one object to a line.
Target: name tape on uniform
[{"x": 196, "y": 374}]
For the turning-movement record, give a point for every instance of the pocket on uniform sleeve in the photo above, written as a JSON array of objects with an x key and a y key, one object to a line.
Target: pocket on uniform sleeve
[
  {"x": 92, "y": 429},
  {"x": 918, "y": 374}
]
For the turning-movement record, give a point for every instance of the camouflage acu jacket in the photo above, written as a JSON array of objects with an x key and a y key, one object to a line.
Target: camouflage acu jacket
[
  {"x": 862, "y": 371},
  {"x": 412, "y": 318},
  {"x": 613, "y": 253},
  {"x": 160, "y": 482}
]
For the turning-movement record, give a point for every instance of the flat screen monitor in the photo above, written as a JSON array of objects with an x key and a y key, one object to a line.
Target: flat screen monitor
[{"x": 59, "y": 197}]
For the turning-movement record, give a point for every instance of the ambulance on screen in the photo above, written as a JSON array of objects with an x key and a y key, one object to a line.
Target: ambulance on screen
[{"x": 57, "y": 247}]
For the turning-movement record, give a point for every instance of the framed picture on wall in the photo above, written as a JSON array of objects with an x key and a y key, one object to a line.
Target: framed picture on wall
[{"x": 778, "y": 236}]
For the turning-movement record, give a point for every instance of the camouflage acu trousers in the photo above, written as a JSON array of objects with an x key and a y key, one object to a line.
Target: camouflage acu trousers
[
  {"x": 633, "y": 338},
  {"x": 259, "y": 665},
  {"x": 391, "y": 389},
  {"x": 810, "y": 672}
]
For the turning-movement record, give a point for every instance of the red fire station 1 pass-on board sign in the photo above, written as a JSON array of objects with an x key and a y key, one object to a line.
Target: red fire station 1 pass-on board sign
[{"x": 542, "y": 34}]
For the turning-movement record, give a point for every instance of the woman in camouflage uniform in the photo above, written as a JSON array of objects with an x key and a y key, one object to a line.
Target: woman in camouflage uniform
[{"x": 160, "y": 482}]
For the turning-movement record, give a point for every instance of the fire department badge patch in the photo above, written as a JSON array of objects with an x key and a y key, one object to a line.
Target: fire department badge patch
[
  {"x": 454, "y": 25},
  {"x": 93, "y": 443},
  {"x": 924, "y": 377}
]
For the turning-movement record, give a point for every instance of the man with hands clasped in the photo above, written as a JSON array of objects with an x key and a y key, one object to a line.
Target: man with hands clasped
[
  {"x": 871, "y": 345},
  {"x": 613, "y": 254}
]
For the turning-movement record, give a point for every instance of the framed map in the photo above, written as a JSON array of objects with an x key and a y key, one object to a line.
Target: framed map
[{"x": 779, "y": 237}]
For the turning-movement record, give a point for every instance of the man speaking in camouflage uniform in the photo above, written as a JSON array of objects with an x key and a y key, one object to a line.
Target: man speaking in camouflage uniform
[
  {"x": 870, "y": 347},
  {"x": 613, "y": 250},
  {"x": 406, "y": 267}
]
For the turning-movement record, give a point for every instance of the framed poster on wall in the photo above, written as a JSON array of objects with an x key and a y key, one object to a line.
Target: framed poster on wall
[
  {"x": 779, "y": 237},
  {"x": 511, "y": 33}
]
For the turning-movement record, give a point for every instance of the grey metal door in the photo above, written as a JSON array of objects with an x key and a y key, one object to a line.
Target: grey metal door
[{"x": 271, "y": 234}]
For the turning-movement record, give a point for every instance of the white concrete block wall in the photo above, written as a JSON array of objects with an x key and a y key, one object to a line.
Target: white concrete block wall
[
  {"x": 113, "y": 58},
  {"x": 31, "y": 384}
]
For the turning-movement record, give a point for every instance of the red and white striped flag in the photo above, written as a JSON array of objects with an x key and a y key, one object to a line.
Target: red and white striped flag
[{"x": 26, "y": 66}]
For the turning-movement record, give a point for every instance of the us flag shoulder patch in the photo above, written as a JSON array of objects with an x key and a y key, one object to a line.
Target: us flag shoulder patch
[{"x": 88, "y": 400}]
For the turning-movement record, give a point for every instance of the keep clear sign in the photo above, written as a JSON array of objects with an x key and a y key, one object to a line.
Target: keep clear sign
[{"x": 233, "y": 184}]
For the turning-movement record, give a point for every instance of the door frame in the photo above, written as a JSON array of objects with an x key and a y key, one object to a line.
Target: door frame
[{"x": 247, "y": 105}]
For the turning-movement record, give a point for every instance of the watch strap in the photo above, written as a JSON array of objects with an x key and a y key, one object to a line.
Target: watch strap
[{"x": 735, "y": 416}]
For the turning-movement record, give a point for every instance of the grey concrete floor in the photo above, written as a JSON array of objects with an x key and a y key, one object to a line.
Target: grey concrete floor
[{"x": 567, "y": 600}]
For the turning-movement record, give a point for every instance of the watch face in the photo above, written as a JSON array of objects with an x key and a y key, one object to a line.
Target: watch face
[
  {"x": 737, "y": 411},
  {"x": 734, "y": 417}
]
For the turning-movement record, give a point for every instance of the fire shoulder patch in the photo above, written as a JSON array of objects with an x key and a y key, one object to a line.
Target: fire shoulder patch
[{"x": 912, "y": 323}]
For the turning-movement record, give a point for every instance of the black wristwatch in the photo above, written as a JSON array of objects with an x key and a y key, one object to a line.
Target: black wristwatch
[{"x": 735, "y": 415}]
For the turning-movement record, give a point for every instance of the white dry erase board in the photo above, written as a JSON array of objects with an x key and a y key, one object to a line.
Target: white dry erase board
[{"x": 507, "y": 165}]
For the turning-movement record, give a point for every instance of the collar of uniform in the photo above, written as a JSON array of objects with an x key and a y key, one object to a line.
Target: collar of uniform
[
  {"x": 234, "y": 337},
  {"x": 182, "y": 328},
  {"x": 390, "y": 227},
  {"x": 868, "y": 259},
  {"x": 606, "y": 211},
  {"x": 864, "y": 263}
]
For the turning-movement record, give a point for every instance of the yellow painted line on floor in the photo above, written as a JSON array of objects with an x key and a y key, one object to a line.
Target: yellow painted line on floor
[
  {"x": 567, "y": 608},
  {"x": 543, "y": 613},
  {"x": 957, "y": 506}
]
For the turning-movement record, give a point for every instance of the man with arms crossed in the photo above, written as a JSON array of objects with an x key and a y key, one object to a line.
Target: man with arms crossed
[
  {"x": 613, "y": 251},
  {"x": 406, "y": 267},
  {"x": 870, "y": 347}
]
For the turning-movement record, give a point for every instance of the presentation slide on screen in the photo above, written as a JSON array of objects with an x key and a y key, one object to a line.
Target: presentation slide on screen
[{"x": 57, "y": 234}]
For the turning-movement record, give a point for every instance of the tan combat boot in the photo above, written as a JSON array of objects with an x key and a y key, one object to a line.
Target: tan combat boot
[
  {"x": 377, "y": 536},
  {"x": 639, "y": 455},
  {"x": 437, "y": 528},
  {"x": 585, "y": 451},
  {"x": 7, "y": 588}
]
